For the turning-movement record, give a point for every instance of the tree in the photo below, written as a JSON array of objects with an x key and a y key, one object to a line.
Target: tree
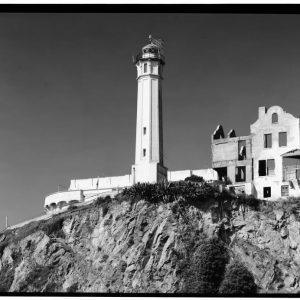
[
  {"x": 238, "y": 280},
  {"x": 206, "y": 267}
]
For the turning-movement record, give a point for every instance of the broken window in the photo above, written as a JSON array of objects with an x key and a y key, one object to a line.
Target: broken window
[
  {"x": 282, "y": 139},
  {"x": 222, "y": 173},
  {"x": 241, "y": 150},
  {"x": 266, "y": 167},
  {"x": 240, "y": 174},
  {"x": 268, "y": 140},
  {"x": 262, "y": 166},
  {"x": 284, "y": 190},
  {"x": 274, "y": 118},
  {"x": 267, "y": 191},
  {"x": 145, "y": 68}
]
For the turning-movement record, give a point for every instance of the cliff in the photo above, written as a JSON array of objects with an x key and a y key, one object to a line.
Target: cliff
[{"x": 135, "y": 246}]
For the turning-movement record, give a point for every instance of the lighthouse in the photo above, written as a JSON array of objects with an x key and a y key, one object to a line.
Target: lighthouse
[{"x": 149, "y": 163}]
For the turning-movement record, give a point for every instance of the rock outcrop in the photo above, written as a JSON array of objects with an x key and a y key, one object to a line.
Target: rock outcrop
[{"x": 137, "y": 247}]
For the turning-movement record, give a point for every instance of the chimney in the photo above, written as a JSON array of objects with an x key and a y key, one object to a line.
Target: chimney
[{"x": 262, "y": 111}]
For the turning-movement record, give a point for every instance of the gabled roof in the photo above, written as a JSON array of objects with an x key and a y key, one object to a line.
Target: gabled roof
[{"x": 292, "y": 153}]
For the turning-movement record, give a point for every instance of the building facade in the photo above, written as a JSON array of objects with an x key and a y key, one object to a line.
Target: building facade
[{"x": 265, "y": 163}]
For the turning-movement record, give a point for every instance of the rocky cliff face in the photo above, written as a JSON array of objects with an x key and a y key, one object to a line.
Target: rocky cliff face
[{"x": 138, "y": 247}]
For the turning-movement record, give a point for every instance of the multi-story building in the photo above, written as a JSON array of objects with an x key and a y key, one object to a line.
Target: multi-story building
[{"x": 265, "y": 163}]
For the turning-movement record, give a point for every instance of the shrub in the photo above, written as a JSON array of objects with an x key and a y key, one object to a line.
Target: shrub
[
  {"x": 3, "y": 245},
  {"x": 54, "y": 226},
  {"x": 37, "y": 278},
  {"x": 6, "y": 278},
  {"x": 167, "y": 192},
  {"x": 72, "y": 288},
  {"x": 238, "y": 280},
  {"x": 206, "y": 267},
  {"x": 194, "y": 178}
]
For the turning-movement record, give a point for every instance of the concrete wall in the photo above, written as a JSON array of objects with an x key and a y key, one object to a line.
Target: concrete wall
[
  {"x": 207, "y": 174},
  {"x": 226, "y": 149},
  {"x": 65, "y": 196},
  {"x": 263, "y": 125},
  {"x": 100, "y": 183},
  {"x": 225, "y": 153}
]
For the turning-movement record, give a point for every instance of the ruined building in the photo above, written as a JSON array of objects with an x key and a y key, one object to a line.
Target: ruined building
[{"x": 265, "y": 163}]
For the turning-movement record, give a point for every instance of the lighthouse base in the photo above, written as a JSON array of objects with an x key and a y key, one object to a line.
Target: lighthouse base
[{"x": 148, "y": 172}]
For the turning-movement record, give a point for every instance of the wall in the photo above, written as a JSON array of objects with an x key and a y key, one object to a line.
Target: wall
[
  {"x": 66, "y": 196},
  {"x": 207, "y": 174},
  {"x": 225, "y": 153},
  {"x": 100, "y": 183}
]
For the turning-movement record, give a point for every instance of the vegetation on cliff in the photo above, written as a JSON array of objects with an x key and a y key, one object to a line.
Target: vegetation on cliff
[{"x": 166, "y": 237}]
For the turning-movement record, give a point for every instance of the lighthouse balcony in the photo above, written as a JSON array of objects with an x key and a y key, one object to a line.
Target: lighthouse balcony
[{"x": 149, "y": 55}]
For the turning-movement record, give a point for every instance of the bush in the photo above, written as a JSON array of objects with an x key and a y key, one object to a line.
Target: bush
[
  {"x": 238, "y": 280},
  {"x": 3, "y": 245},
  {"x": 54, "y": 226},
  {"x": 194, "y": 178},
  {"x": 6, "y": 278},
  {"x": 72, "y": 288},
  {"x": 206, "y": 267},
  {"x": 167, "y": 192},
  {"x": 37, "y": 278}
]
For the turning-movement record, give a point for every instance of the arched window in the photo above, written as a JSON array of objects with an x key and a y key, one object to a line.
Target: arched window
[{"x": 274, "y": 118}]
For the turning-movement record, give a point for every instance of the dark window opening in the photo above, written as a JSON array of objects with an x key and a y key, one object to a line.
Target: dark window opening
[
  {"x": 267, "y": 192},
  {"x": 284, "y": 190},
  {"x": 222, "y": 173},
  {"x": 240, "y": 174},
  {"x": 266, "y": 167},
  {"x": 144, "y": 152},
  {"x": 262, "y": 167},
  {"x": 242, "y": 150},
  {"x": 144, "y": 130},
  {"x": 282, "y": 139},
  {"x": 268, "y": 140},
  {"x": 145, "y": 68},
  {"x": 274, "y": 118}
]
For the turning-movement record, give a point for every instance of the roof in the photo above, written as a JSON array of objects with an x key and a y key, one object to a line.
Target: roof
[{"x": 292, "y": 153}]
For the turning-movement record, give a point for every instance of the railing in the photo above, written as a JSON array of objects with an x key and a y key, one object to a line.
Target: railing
[{"x": 144, "y": 56}]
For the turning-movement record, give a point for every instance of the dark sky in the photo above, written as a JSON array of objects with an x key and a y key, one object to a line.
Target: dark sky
[{"x": 68, "y": 92}]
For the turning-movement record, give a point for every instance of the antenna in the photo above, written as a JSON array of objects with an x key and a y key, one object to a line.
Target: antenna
[{"x": 6, "y": 222}]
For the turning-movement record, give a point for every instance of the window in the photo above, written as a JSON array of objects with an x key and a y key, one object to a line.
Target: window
[
  {"x": 242, "y": 150},
  {"x": 268, "y": 140},
  {"x": 145, "y": 68},
  {"x": 262, "y": 167},
  {"x": 282, "y": 139},
  {"x": 266, "y": 167},
  {"x": 298, "y": 173},
  {"x": 284, "y": 190},
  {"x": 267, "y": 191},
  {"x": 270, "y": 166},
  {"x": 240, "y": 174},
  {"x": 274, "y": 118},
  {"x": 144, "y": 130},
  {"x": 144, "y": 152}
]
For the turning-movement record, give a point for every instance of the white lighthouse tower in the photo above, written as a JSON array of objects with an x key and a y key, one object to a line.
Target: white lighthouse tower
[{"x": 149, "y": 164}]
